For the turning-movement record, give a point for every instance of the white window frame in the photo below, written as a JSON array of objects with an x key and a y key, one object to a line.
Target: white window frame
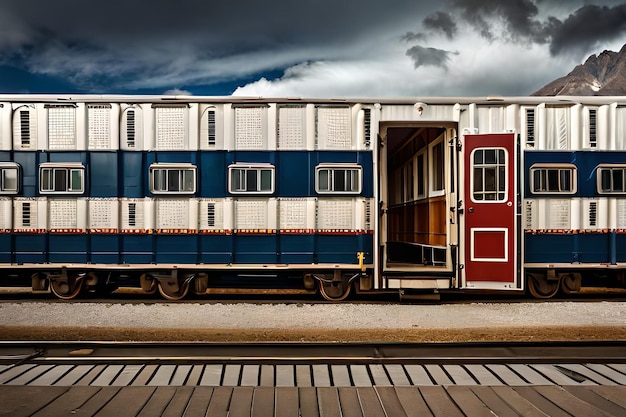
[
  {"x": 610, "y": 167},
  {"x": 333, "y": 170},
  {"x": 565, "y": 167},
  {"x": 432, "y": 192},
  {"x": 70, "y": 168},
  {"x": 167, "y": 168},
  {"x": 240, "y": 184},
  {"x": 498, "y": 164},
  {"x": 6, "y": 167}
]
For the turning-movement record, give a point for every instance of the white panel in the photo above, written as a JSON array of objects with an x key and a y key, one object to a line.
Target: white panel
[
  {"x": 360, "y": 207},
  {"x": 211, "y": 128},
  {"x": 603, "y": 128},
  {"x": 6, "y": 215},
  {"x": 557, "y": 127},
  {"x": 619, "y": 137},
  {"x": 251, "y": 214},
  {"x": 530, "y": 215},
  {"x": 192, "y": 127},
  {"x": 103, "y": 215},
  {"x": 25, "y": 128},
  {"x": 30, "y": 214},
  {"x": 590, "y": 214},
  {"x": 335, "y": 214},
  {"x": 170, "y": 128},
  {"x": 575, "y": 139},
  {"x": 311, "y": 127},
  {"x": 134, "y": 215},
  {"x": 63, "y": 214},
  {"x": 621, "y": 213},
  {"x": 211, "y": 214},
  {"x": 99, "y": 126},
  {"x": 291, "y": 127},
  {"x": 491, "y": 119},
  {"x": 172, "y": 213},
  {"x": 272, "y": 210},
  {"x": 334, "y": 128},
  {"x": 293, "y": 214},
  {"x": 5, "y": 126},
  {"x": 558, "y": 214},
  {"x": 61, "y": 127},
  {"x": 250, "y": 128},
  {"x": 430, "y": 112}
]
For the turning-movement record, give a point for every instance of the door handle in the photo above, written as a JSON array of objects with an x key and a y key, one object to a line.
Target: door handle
[{"x": 471, "y": 209}]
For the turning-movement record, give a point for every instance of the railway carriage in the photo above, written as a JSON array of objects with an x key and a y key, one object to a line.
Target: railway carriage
[{"x": 215, "y": 194}]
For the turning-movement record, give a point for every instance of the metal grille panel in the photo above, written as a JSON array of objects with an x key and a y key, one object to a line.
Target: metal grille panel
[
  {"x": 62, "y": 127},
  {"x": 99, "y": 121},
  {"x": 291, "y": 127},
  {"x": 251, "y": 214},
  {"x": 170, "y": 128},
  {"x": 250, "y": 128}
]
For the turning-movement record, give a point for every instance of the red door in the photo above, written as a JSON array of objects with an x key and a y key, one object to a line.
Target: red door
[{"x": 490, "y": 203}]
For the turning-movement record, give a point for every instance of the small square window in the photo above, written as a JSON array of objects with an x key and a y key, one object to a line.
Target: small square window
[
  {"x": 9, "y": 178},
  {"x": 251, "y": 179},
  {"x": 340, "y": 179},
  {"x": 61, "y": 178},
  {"x": 172, "y": 178},
  {"x": 552, "y": 179}
]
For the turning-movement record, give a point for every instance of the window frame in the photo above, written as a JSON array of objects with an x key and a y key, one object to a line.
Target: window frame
[
  {"x": 556, "y": 166},
  {"x": 10, "y": 166},
  {"x": 180, "y": 167},
  {"x": 339, "y": 167},
  {"x": 259, "y": 168},
  {"x": 610, "y": 167},
  {"x": 498, "y": 165},
  {"x": 432, "y": 174},
  {"x": 70, "y": 168}
]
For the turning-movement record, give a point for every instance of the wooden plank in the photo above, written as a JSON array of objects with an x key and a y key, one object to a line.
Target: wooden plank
[
  {"x": 439, "y": 402},
  {"x": 195, "y": 375},
  {"x": 370, "y": 404},
  {"x": 308, "y": 402},
  {"x": 328, "y": 400},
  {"x": 241, "y": 402},
  {"x": 88, "y": 377},
  {"x": 267, "y": 376},
  {"x": 180, "y": 375},
  {"x": 199, "y": 402},
  {"x": 263, "y": 402},
  {"x": 568, "y": 402},
  {"x": 321, "y": 376},
  {"x": 459, "y": 375},
  {"x": 587, "y": 395},
  {"x": 496, "y": 404},
  {"x": 349, "y": 402},
  {"x": 127, "y": 402},
  {"x": 397, "y": 375},
  {"x": 127, "y": 375},
  {"x": 52, "y": 375},
  {"x": 554, "y": 375},
  {"x": 508, "y": 376},
  {"x": 285, "y": 376},
  {"x": 438, "y": 375},
  {"x": 145, "y": 375},
  {"x": 29, "y": 375},
  {"x": 212, "y": 375},
  {"x": 588, "y": 373},
  {"x": 156, "y": 404},
  {"x": 360, "y": 376},
  {"x": 529, "y": 374},
  {"x": 613, "y": 394},
  {"x": 69, "y": 403},
  {"x": 250, "y": 375},
  {"x": 107, "y": 375},
  {"x": 412, "y": 402},
  {"x": 21, "y": 401},
  {"x": 74, "y": 375},
  {"x": 287, "y": 402},
  {"x": 303, "y": 376},
  {"x": 518, "y": 403},
  {"x": 608, "y": 372},
  {"x": 379, "y": 375},
  {"x": 540, "y": 402},
  {"x": 341, "y": 375},
  {"x": 162, "y": 376},
  {"x": 468, "y": 402},
  {"x": 231, "y": 375},
  {"x": 418, "y": 375},
  {"x": 178, "y": 403},
  {"x": 390, "y": 402},
  {"x": 483, "y": 375},
  {"x": 220, "y": 400},
  {"x": 14, "y": 372}
]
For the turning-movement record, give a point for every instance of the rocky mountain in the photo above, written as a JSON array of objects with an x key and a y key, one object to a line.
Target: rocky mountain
[{"x": 601, "y": 75}]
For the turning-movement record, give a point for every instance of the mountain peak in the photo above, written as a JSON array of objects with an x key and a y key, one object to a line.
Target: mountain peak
[{"x": 600, "y": 75}]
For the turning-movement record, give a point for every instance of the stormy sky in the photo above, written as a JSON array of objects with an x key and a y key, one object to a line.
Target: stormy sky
[{"x": 301, "y": 48}]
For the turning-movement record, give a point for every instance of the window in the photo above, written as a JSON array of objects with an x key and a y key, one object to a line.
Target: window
[
  {"x": 436, "y": 166},
  {"x": 61, "y": 178},
  {"x": 9, "y": 178},
  {"x": 330, "y": 178},
  {"x": 611, "y": 179},
  {"x": 172, "y": 178},
  {"x": 557, "y": 178},
  {"x": 253, "y": 179},
  {"x": 489, "y": 174},
  {"x": 421, "y": 175}
]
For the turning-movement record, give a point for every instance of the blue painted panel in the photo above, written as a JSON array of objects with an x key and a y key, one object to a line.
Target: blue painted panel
[
  {"x": 29, "y": 163},
  {"x": 212, "y": 172},
  {"x": 550, "y": 248},
  {"x": 68, "y": 248},
  {"x": 294, "y": 174},
  {"x": 66, "y": 157},
  {"x": 216, "y": 249},
  {"x": 178, "y": 249},
  {"x": 296, "y": 249},
  {"x": 594, "y": 248},
  {"x": 105, "y": 249},
  {"x": 338, "y": 249},
  {"x": 620, "y": 240},
  {"x": 5, "y": 248},
  {"x": 30, "y": 248},
  {"x": 103, "y": 171},
  {"x": 251, "y": 249},
  {"x": 136, "y": 249},
  {"x": 132, "y": 174}
]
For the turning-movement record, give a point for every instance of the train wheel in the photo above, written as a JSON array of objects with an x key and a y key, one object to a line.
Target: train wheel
[
  {"x": 172, "y": 292},
  {"x": 67, "y": 289},
  {"x": 571, "y": 283},
  {"x": 335, "y": 290},
  {"x": 540, "y": 287}
]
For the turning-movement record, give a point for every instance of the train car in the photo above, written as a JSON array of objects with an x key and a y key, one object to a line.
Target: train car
[{"x": 416, "y": 196}]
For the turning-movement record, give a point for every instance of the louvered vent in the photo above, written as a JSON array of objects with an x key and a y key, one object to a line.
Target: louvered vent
[
  {"x": 593, "y": 138},
  {"x": 367, "y": 124},
  {"x": 530, "y": 128},
  {"x": 211, "y": 127},
  {"x": 25, "y": 128},
  {"x": 132, "y": 214},
  {"x": 593, "y": 213},
  {"x": 26, "y": 214},
  {"x": 528, "y": 215},
  {"x": 368, "y": 214},
  {"x": 130, "y": 128}
]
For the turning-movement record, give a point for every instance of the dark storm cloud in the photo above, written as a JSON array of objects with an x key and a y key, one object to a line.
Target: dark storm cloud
[
  {"x": 588, "y": 26},
  {"x": 422, "y": 56},
  {"x": 441, "y": 21}
]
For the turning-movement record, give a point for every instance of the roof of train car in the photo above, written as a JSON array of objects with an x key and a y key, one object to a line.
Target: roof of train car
[{"x": 485, "y": 100}]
